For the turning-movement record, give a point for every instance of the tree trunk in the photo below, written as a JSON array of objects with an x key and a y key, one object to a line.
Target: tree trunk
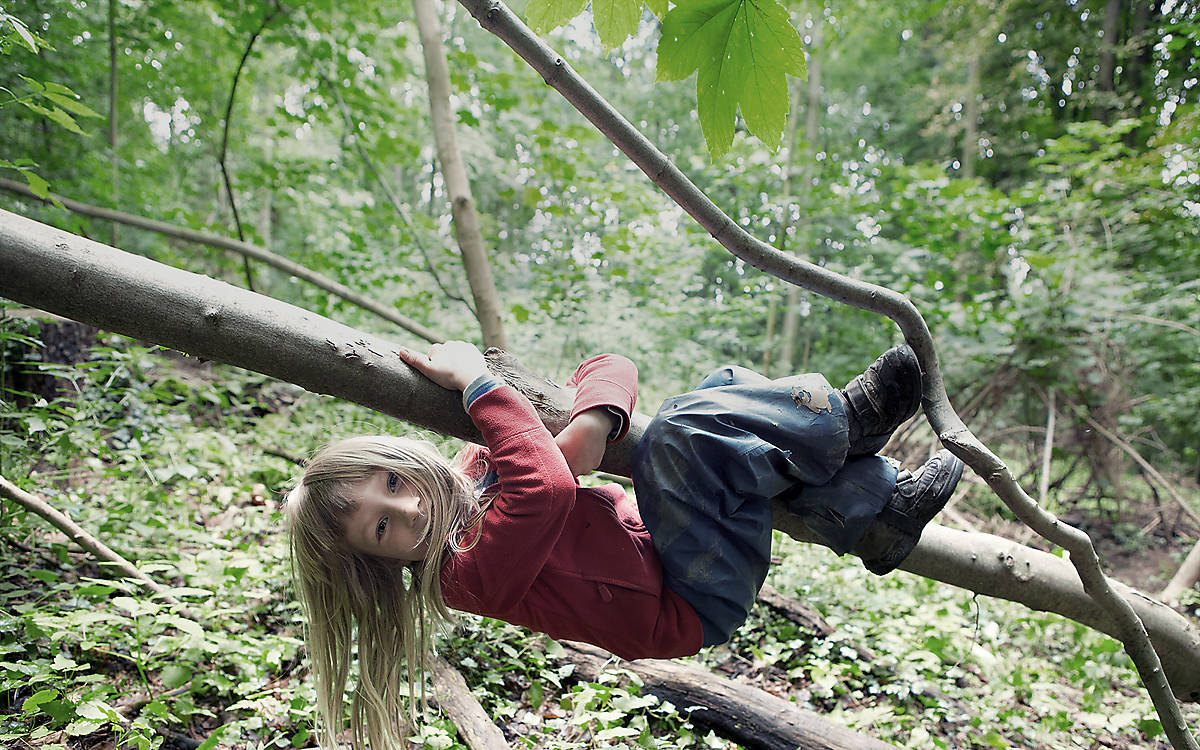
[
  {"x": 1104, "y": 103},
  {"x": 790, "y": 328},
  {"x": 462, "y": 204},
  {"x": 84, "y": 280},
  {"x": 749, "y": 716},
  {"x": 970, "y": 144},
  {"x": 112, "y": 110}
]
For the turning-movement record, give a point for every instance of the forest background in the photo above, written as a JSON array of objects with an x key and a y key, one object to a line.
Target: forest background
[{"x": 1027, "y": 173}]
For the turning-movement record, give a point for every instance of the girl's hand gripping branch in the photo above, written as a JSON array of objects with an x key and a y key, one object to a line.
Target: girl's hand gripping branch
[{"x": 451, "y": 365}]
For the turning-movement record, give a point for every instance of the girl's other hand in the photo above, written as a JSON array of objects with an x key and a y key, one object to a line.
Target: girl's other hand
[
  {"x": 452, "y": 365},
  {"x": 582, "y": 442}
]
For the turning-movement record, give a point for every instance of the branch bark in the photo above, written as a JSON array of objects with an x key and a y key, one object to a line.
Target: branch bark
[
  {"x": 237, "y": 246},
  {"x": 472, "y": 722},
  {"x": 748, "y": 715},
  {"x": 1185, "y": 577},
  {"x": 80, "y": 536},
  {"x": 462, "y": 204},
  {"x": 128, "y": 294},
  {"x": 496, "y": 18}
]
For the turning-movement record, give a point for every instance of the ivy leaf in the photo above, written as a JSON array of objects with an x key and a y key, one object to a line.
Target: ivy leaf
[
  {"x": 544, "y": 15},
  {"x": 741, "y": 52},
  {"x": 616, "y": 20}
]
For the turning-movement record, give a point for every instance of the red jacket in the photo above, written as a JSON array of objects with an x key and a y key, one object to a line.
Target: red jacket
[{"x": 565, "y": 560}]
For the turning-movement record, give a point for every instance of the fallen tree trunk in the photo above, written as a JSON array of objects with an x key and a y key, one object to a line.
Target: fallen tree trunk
[
  {"x": 84, "y": 280},
  {"x": 745, "y": 714},
  {"x": 454, "y": 697},
  {"x": 242, "y": 248}
]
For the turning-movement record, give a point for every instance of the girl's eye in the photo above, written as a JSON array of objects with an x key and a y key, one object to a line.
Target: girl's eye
[
  {"x": 381, "y": 527},
  {"x": 393, "y": 481}
]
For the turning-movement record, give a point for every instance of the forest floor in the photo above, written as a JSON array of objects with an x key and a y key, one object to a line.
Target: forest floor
[{"x": 178, "y": 464}]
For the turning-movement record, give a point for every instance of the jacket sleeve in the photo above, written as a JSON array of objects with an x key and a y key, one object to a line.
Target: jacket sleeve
[
  {"x": 608, "y": 381},
  {"x": 537, "y": 493}
]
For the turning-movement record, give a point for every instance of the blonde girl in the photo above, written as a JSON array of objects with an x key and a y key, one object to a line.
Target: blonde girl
[{"x": 387, "y": 536}]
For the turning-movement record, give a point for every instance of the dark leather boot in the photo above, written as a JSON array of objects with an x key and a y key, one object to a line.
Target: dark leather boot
[
  {"x": 881, "y": 399},
  {"x": 916, "y": 500}
]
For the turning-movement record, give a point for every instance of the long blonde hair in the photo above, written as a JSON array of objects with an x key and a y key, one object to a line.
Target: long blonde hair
[{"x": 396, "y": 605}]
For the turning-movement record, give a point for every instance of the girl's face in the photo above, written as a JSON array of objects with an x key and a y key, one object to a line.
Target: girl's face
[{"x": 388, "y": 519}]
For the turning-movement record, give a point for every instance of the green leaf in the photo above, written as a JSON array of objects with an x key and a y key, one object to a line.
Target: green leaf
[
  {"x": 657, "y": 7},
  {"x": 41, "y": 189},
  {"x": 174, "y": 675},
  {"x": 616, "y": 20},
  {"x": 65, "y": 120},
  {"x": 22, "y": 32},
  {"x": 213, "y": 738},
  {"x": 71, "y": 105},
  {"x": 742, "y": 53},
  {"x": 37, "y": 699},
  {"x": 544, "y": 15}
]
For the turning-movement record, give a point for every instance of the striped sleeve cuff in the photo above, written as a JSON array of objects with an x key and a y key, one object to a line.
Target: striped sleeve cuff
[{"x": 478, "y": 387}]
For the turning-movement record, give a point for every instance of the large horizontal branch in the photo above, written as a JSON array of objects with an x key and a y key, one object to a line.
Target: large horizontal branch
[
  {"x": 496, "y": 18},
  {"x": 243, "y": 248},
  {"x": 84, "y": 280}
]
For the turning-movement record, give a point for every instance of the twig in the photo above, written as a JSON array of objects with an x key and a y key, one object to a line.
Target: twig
[
  {"x": 1150, "y": 470},
  {"x": 237, "y": 74},
  {"x": 495, "y": 17}
]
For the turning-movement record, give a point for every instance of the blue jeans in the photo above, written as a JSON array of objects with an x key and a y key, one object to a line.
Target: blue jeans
[{"x": 711, "y": 461}]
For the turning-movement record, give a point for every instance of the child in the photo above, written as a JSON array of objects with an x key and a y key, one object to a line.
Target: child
[{"x": 388, "y": 535}]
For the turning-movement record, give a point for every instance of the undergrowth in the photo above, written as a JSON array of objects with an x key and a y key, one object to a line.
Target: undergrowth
[{"x": 178, "y": 466}]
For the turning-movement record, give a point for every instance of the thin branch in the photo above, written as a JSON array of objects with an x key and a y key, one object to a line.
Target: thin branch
[
  {"x": 495, "y": 17},
  {"x": 1047, "y": 451},
  {"x": 399, "y": 207},
  {"x": 1150, "y": 470},
  {"x": 237, "y": 75},
  {"x": 80, "y": 536},
  {"x": 244, "y": 248},
  {"x": 1185, "y": 577}
]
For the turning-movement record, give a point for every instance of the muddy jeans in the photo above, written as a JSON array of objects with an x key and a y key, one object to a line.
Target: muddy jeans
[{"x": 711, "y": 461}]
